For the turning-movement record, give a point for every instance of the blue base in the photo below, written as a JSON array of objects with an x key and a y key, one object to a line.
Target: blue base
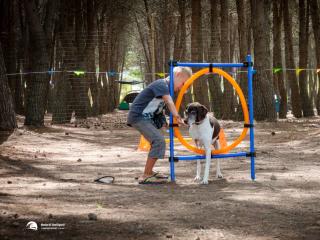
[{"x": 196, "y": 157}]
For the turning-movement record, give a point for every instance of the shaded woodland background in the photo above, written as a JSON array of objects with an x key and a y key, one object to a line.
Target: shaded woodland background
[{"x": 64, "y": 58}]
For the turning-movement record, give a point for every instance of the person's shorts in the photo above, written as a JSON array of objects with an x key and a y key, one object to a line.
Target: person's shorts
[{"x": 154, "y": 136}]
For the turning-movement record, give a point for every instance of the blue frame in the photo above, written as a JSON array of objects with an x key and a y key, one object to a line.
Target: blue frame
[{"x": 248, "y": 64}]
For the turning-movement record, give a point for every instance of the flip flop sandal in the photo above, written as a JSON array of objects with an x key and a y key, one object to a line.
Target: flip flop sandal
[
  {"x": 160, "y": 175},
  {"x": 105, "y": 180},
  {"x": 153, "y": 180},
  {"x": 157, "y": 175}
]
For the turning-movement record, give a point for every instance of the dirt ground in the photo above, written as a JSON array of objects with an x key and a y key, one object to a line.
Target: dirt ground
[{"x": 46, "y": 176}]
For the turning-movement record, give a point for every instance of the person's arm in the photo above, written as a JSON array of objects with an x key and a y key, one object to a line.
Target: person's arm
[{"x": 169, "y": 102}]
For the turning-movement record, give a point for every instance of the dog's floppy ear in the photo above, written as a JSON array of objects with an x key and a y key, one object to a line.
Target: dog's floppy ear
[{"x": 202, "y": 112}]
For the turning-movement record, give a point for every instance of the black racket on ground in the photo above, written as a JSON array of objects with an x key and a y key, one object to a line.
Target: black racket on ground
[{"x": 105, "y": 180}]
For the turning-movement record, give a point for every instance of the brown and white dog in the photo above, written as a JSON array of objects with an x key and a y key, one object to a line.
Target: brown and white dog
[{"x": 204, "y": 130}]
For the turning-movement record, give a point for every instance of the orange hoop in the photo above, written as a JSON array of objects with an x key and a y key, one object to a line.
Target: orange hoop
[{"x": 242, "y": 101}]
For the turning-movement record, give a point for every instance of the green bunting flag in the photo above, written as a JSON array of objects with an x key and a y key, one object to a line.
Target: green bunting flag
[
  {"x": 78, "y": 73},
  {"x": 276, "y": 70}
]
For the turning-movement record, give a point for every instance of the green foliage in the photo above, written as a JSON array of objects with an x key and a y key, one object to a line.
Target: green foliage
[
  {"x": 125, "y": 88},
  {"x": 132, "y": 60},
  {"x": 135, "y": 73}
]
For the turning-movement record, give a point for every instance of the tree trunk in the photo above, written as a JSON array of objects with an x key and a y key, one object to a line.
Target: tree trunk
[
  {"x": 180, "y": 48},
  {"x": 10, "y": 37},
  {"x": 10, "y": 40},
  {"x": 262, "y": 86},
  {"x": 102, "y": 44},
  {"x": 278, "y": 80},
  {"x": 147, "y": 46},
  {"x": 306, "y": 103},
  {"x": 22, "y": 54},
  {"x": 152, "y": 47},
  {"x": 80, "y": 85},
  {"x": 90, "y": 56},
  {"x": 243, "y": 47},
  {"x": 62, "y": 110},
  {"x": 228, "y": 109},
  {"x": 200, "y": 87},
  {"x": 64, "y": 103},
  {"x": 168, "y": 19},
  {"x": 144, "y": 44},
  {"x": 113, "y": 86},
  {"x": 180, "y": 37},
  {"x": 7, "y": 116},
  {"x": 214, "y": 56},
  {"x": 293, "y": 83},
  {"x": 315, "y": 12},
  {"x": 37, "y": 84}
]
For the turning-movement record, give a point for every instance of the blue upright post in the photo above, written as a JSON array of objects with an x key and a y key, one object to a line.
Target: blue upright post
[
  {"x": 250, "y": 98},
  {"x": 172, "y": 174}
]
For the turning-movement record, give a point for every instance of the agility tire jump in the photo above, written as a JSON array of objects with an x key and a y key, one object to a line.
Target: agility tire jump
[{"x": 243, "y": 102}]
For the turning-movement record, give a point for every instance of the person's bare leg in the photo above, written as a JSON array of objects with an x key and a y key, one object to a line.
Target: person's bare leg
[{"x": 149, "y": 166}]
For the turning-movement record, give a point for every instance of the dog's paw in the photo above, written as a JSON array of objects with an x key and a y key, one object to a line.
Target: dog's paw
[
  {"x": 197, "y": 178},
  {"x": 204, "y": 181}
]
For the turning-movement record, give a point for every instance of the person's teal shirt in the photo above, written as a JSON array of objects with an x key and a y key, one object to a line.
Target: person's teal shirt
[{"x": 149, "y": 101}]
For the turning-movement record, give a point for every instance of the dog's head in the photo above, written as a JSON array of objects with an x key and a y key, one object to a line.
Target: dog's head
[{"x": 195, "y": 113}]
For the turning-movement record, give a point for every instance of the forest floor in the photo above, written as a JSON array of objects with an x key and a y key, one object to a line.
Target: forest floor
[{"x": 46, "y": 176}]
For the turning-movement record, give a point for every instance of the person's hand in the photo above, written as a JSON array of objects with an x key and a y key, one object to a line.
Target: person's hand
[
  {"x": 165, "y": 126},
  {"x": 180, "y": 120}
]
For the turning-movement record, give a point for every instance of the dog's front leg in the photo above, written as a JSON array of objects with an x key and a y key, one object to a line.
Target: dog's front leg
[
  {"x": 207, "y": 167},
  {"x": 198, "y": 175},
  {"x": 218, "y": 173}
]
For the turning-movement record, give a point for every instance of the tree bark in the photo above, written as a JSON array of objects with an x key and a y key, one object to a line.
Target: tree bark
[
  {"x": 102, "y": 44},
  {"x": 145, "y": 47},
  {"x": 214, "y": 56},
  {"x": 37, "y": 84},
  {"x": 65, "y": 53},
  {"x": 306, "y": 103},
  {"x": 62, "y": 110},
  {"x": 113, "y": 86},
  {"x": 90, "y": 56},
  {"x": 180, "y": 48},
  {"x": 80, "y": 85},
  {"x": 200, "y": 87},
  {"x": 10, "y": 37},
  {"x": 262, "y": 86},
  {"x": 180, "y": 38},
  {"x": 228, "y": 109},
  {"x": 293, "y": 83},
  {"x": 23, "y": 43},
  {"x": 148, "y": 48},
  {"x": 7, "y": 116},
  {"x": 315, "y": 12},
  {"x": 278, "y": 78},
  {"x": 243, "y": 49}
]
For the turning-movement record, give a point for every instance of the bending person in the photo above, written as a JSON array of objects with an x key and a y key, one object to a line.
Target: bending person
[{"x": 146, "y": 115}]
